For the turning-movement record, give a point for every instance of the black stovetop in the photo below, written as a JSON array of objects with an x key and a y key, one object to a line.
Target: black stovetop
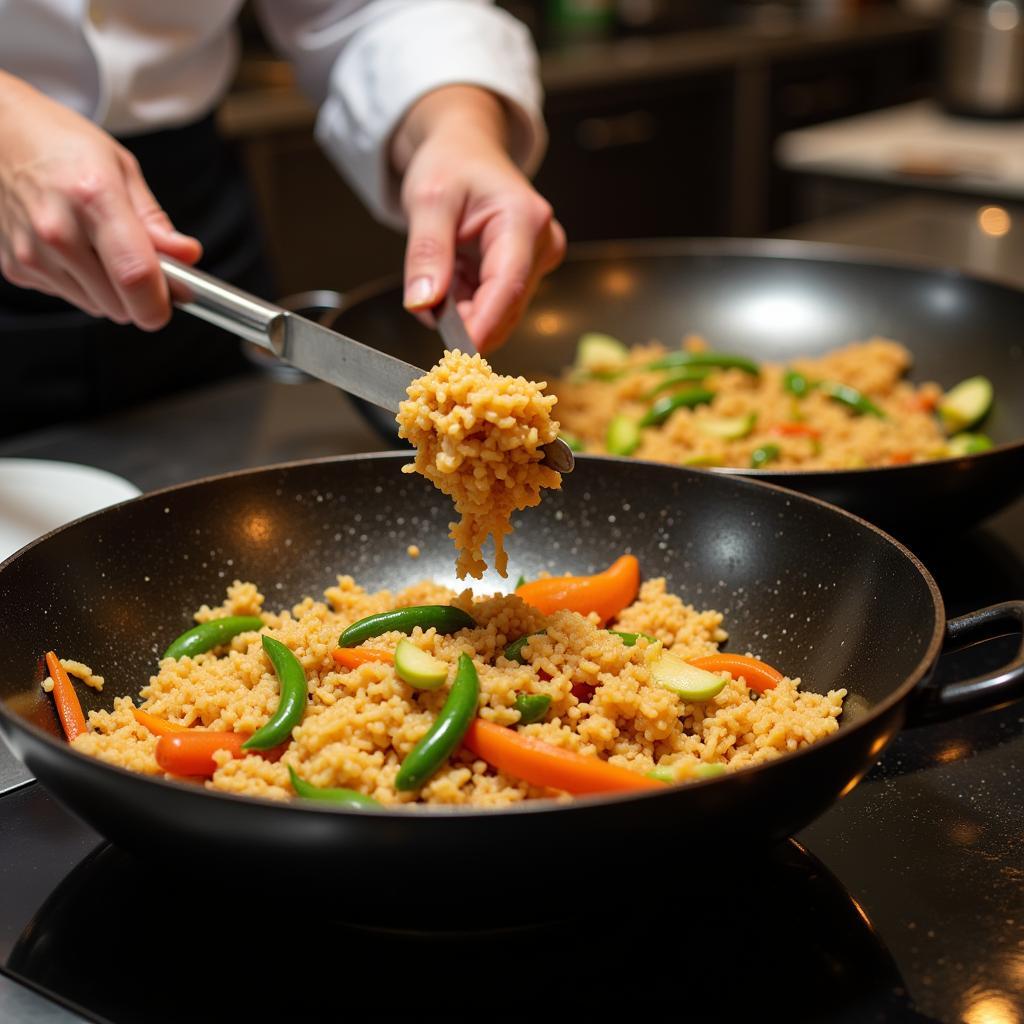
[{"x": 904, "y": 902}]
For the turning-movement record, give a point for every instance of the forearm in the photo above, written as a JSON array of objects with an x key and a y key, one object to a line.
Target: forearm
[{"x": 457, "y": 109}]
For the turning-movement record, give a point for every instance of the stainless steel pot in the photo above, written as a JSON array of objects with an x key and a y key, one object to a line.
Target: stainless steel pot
[{"x": 983, "y": 59}]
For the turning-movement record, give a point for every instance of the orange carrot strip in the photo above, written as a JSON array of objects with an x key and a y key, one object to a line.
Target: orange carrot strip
[
  {"x": 353, "y": 657},
  {"x": 69, "y": 708},
  {"x": 901, "y": 458},
  {"x": 759, "y": 676},
  {"x": 191, "y": 752},
  {"x": 606, "y": 593},
  {"x": 796, "y": 430},
  {"x": 924, "y": 403},
  {"x": 156, "y": 725},
  {"x": 542, "y": 764}
]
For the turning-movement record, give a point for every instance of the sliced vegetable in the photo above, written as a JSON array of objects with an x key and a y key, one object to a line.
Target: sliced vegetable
[
  {"x": 442, "y": 617},
  {"x": 759, "y": 675},
  {"x": 350, "y": 798},
  {"x": 853, "y": 399},
  {"x": 542, "y": 764},
  {"x": 191, "y": 752},
  {"x": 968, "y": 444},
  {"x": 764, "y": 454},
  {"x": 966, "y": 404},
  {"x": 208, "y": 635},
  {"x": 683, "y": 678},
  {"x": 596, "y": 351},
  {"x": 682, "y": 375},
  {"x": 630, "y": 639},
  {"x": 667, "y": 773},
  {"x": 797, "y": 384},
  {"x": 418, "y": 668},
  {"x": 797, "y": 429},
  {"x": 520, "y": 581},
  {"x": 353, "y": 657},
  {"x": 623, "y": 437},
  {"x": 291, "y": 705},
  {"x": 702, "y": 460},
  {"x": 574, "y": 443},
  {"x": 728, "y": 428},
  {"x": 532, "y": 707},
  {"x": 715, "y": 360},
  {"x": 69, "y": 707},
  {"x": 514, "y": 650},
  {"x": 156, "y": 725},
  {"x": 664, "y": 407},
  {"x": 447, "y": 731},
  {"x": 606, "y": 593}
]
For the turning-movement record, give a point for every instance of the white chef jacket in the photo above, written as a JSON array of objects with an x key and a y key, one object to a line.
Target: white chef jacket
[{"x": 135, "y": 66}]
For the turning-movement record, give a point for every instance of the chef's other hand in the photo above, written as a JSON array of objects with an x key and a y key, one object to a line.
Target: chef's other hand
[
  {"x": 76, "y": 218},
  {"x": 475, "y": 222}
]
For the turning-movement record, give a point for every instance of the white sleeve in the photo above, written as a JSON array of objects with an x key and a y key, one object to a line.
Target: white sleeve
[{"x": 367, "y": 63}]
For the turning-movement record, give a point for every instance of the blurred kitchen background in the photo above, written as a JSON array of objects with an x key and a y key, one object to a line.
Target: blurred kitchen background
[{"x": 815, "y": 118}]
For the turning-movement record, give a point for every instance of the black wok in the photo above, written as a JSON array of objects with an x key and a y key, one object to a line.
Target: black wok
[
  {"x": 812, "y": 589},
  {"x": 773, "y": 300}
]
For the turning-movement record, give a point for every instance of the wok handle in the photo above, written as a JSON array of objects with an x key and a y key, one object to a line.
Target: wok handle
[
  {"x": 225, "y": 306},
  {"x": 935, "y": 703}
]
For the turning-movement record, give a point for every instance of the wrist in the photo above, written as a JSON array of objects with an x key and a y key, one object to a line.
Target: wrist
[{"x": 456, "y": 110}]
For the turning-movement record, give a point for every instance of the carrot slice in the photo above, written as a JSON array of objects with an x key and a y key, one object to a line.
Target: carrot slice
[
  {"x": 69, "y": 708},
  {"x": 759, "y": 676},
  {"x": 796, "y": 430},
  {"x": 901, "y": 458},
  {"x": 353, "y": 657},
  {"x": 156, "y": 725},
  {"x": 191, "y": 751},
  {"x": 606, "y": 593},
  {"x": 542, "y": 764}
]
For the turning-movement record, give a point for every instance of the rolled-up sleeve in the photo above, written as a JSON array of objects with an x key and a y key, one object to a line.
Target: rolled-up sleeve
[{"x": 366, "y": 64}]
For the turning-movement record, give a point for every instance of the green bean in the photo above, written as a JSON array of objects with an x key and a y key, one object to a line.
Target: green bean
[
  {"x": 852, "y": 399},
  {"x": 763, "y": 455},
  {"x": 442, "y": 617},
  {"x": 514, "y": 650},
  {"x": 208, "y": 635},
  {"x": 630, "y": 639},
  {"x": 447, "y": 731},
  {"x": 532, "y": 707},
  {"x": 349, "y": 798},
  {"x": 715, "y": 360},
  {"x": 291, "y": 705},
  {"x": 664, "y": 407},
  {"x": 797, "y": 384},
  {"x": 680, "y": 376}
]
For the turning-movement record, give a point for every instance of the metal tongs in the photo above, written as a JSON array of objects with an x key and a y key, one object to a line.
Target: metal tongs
[{"x": 347, "y": 364}]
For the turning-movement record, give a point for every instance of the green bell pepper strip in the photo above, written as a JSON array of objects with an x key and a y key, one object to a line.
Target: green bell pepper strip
[
  {"x": 532, "y": 707},
  {"x": 208, "y": 635},
  {"x": 292, "y": 704},
  {"x": 664, "y": 407},
  {"x": 514, "y": 650},
  {"x": 682, "y": 375},
  {"x": 853, "y": 399},
  {"x": 442, "y": 617},
  {"x": 763, "y": 455},
  {"x": 630, "y": 639},
  {"x": 349, "y": 798},
  {"x": 714, "y": 360},
  {"x": 447, "y": 731}
]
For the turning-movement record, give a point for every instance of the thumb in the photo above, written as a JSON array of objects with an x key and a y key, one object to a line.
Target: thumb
[
  {"x": 156, "y": 222},
  {"x": 430, "y": 250}
]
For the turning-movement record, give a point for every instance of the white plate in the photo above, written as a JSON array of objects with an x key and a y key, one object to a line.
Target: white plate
[{"x": 37, "y": 496}]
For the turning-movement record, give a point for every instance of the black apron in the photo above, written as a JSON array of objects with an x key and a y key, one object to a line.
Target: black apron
[{"x": 60, "y": 363}]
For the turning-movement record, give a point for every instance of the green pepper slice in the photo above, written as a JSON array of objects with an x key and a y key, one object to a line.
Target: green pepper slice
[
  {"x": 853, "y": 399},
  {"x": 447, "y": 731},
  {"x": 514, "y": 650},
  {"x": 292, "y": 704},
  {"x": 763, "y": 455},
  {"x": 208, "y": 635},
  {"x": 682, "y": 375},
  {"x": 349, "y": 798},
  {"x": 442, "y": 617},
  {"x": 715, "y": 360},
  {"x": 630, "y": 639},
  {"x": 532, "y": 707},
  {"x": 664, "y": 407}
]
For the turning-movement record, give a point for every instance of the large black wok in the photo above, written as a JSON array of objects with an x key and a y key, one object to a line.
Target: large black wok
[
  {"x": 774, "y": 300},
  {"x": 810, "y": 588}
]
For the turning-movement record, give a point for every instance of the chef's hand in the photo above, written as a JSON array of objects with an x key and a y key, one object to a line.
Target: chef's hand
[
  {"x": 76, "y": 218},
  {"x": 475, "y": 222}
]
